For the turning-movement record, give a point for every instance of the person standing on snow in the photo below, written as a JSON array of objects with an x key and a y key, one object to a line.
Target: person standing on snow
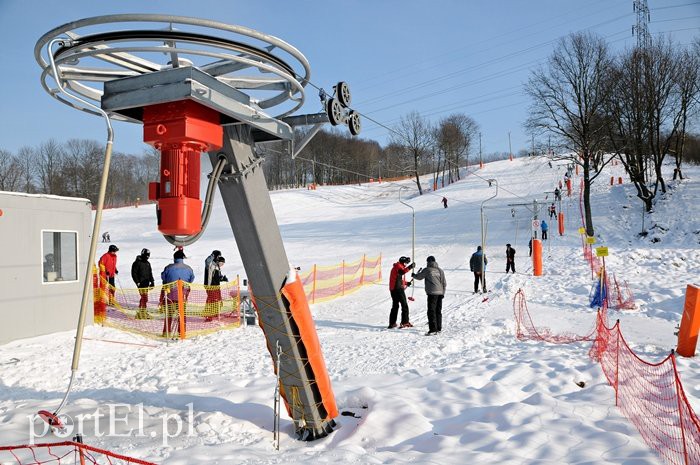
[
  {"x": 177, "y": 270},
  {"x": 142, "y": 274},
  {"x": 552, "y": 210},
  {"x": 510, "y": 258},
  {"x": 444, "y": 201},
  {"x": 544, "y": 227},
  {"x": 397, "y": 286},
  {"x": 214, "y": 304},
  {"x": 475, "y": 266},
  {"x": 209, "y": 266},
  {"x": 435, "y": 285},
  {"x": 108, "y": 261}
]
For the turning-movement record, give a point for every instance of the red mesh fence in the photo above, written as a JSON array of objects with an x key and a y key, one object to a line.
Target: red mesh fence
[
  {"x": 650, "y": 395},
  {"x": 328, "y": 282},
  {"x": 63, "y": 453},
  {"x": 619, "y": 295},
  {"x": 525, "y": 328}
]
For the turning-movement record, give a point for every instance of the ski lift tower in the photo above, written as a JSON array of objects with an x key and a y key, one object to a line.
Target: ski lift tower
[{"x": 203, "y": 86}]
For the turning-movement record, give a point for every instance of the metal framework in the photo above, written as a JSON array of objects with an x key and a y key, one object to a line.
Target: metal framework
[{"x": 253, "y": 82}]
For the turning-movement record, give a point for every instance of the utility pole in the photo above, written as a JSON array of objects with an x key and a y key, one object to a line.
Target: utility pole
[
  {"x": 480, "y": 162},
  {"x": 510, "y": 147},
  {"x": 642, "y": 27},
  {"x": 533, "y": 145}
]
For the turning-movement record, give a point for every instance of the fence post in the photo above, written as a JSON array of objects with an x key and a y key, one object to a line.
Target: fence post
[
  {"x": 617, "y": 364},
  {"x": 362, "y": 276},
  {"x": 181, "y": 307},
  {"x": 680, "y": 413},
  {"x": 313, "y": 290},
  {"x": 343, "y": 278}
]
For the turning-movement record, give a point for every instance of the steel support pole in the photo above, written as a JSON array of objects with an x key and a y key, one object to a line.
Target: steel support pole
[{"x": 249, "y": 208}]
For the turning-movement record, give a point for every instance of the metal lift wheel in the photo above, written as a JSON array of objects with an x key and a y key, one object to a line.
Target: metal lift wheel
[
  {"x": 354, "y": 123},
  {"x": 342, "y": 92},
  {"x": 335, "y": 112}
]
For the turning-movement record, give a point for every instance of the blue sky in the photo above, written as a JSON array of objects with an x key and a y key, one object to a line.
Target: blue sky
[{"x": 436, "y": 57}]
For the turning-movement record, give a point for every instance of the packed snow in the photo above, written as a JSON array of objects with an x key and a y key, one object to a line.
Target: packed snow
[{"x": 473, "y": 394}]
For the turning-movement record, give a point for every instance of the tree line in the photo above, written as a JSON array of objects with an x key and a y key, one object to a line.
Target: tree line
[
  {"x": 74, "y": 169},
  {"x": 636, "y": 106}
]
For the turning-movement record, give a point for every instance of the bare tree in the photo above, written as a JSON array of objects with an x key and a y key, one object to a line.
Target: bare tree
[
  {"x": 688, "y": 91},
  {"x": 49, "y": 164},
  {"x": 414, "y": 134},
  {"x": 567, "y": 101},
  {"x": 25, "y": 158},
  {"x": 10, "y": 172},
  {"x": 454, "y": 136}
]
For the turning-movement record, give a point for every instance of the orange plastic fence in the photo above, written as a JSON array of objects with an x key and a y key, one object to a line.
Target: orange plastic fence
[
  {"x": 63, "y": 453},
  {"x": 650, "y": 395},
  {"x": 324, "y": 283},
  {"x": 173, "y": 310}
]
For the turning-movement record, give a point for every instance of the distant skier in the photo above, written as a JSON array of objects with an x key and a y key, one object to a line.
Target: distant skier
[
  {"x": 512, "y": 212},
  {"x": 208, "y": 266},
  {"x": 142, "y": 274},
  {"x": 557, "y": 192},
  {"x": 108, "y": 261},
  {"x": 553, "y": 210},
  {"x": 397, "y": 286},
  {"x": 444, "y": 201},
  {"x": 510, "y": 258},
  {"x": 544, "y": 227},
  {"x": 435, "y": 285},
  {"x": 529, "y": 244},
  {"x": 105, "y": 236},
  {"x": 475, "y": 266}
]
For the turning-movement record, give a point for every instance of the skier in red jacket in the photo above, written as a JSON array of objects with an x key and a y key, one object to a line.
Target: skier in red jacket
[
  {"x": 108, "y": 261},
  {"x": 397, "y": 285}
]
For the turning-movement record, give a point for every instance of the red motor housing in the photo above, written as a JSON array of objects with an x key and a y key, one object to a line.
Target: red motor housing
[{"x": 181, "y": 131}]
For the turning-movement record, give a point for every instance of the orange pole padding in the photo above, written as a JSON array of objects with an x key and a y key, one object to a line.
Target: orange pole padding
[
  {"x": 511, "y": 157},
  {"x": 569, "y": 189},
  {"x": 576, "y": 170},
  {"x": 481, "y": 165},
  {"x": 536, "y": 257},
  {"x": 301, "y": 314},
  {"x": 561, "y": 224},
  {"x": 612, "y": 180},
  {"x": 619, "y": 180},
  {"x": 690, "y": 323},
  {"x": 181, "y": 307}
]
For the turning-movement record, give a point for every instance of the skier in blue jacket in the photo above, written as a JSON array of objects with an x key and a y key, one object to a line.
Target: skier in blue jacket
[
  {"x": 173, "y": 272},
  {"x": 544, "y": 227}
]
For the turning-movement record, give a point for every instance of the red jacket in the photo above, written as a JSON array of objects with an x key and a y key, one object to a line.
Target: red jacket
[
  {"x": 397, "y": 277},
  {"x": 109, "y": 261}
]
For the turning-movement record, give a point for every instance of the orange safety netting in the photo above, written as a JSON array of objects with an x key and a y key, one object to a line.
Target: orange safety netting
[
  {"x": 328, "y": 282},
  {"x": 525, "y": 328},
  {"x": 63, "y": 453},
  {"x": 650, "y": 395},
  {"x": 618, "y": 294},
  {"x": 172, "y": 310}
]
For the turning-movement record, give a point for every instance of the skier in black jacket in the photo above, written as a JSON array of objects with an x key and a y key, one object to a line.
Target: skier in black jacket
[{"x": 142, "y": 274}]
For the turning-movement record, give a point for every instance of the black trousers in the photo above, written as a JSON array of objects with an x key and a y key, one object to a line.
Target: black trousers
[
  {"x": 510, "y": 265},
  {"x": 398, "y": 297},
  {"x": 544, "y": 234},
  {"x": 434, "y": 313},
  {"x": 479, "y": 277}
]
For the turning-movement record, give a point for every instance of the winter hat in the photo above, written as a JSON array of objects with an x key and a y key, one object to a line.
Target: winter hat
[
  {"x": 220, "y": 259},
  {"x": 507, "y": 245},
  {"x": 405, "y": 260},
  {"x": 145, "y": 253},
  {"x": 478, "y": 247},
  {"x": 216, "y": 253},
  {"x": 113, "y": 248},
  {"x": 431, "y": 259},
  {"x": 179, "y": 254}
]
